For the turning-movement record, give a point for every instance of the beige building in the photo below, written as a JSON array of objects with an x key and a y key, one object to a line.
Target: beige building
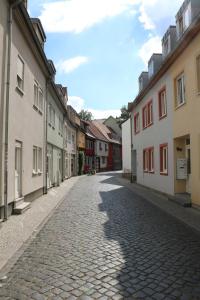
[
  {"x": 26, "y": 70},
  {"x": 185, "y": 73}
]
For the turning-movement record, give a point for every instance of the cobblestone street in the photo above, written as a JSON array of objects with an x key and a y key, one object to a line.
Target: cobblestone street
[{"x": 104, "y": 242}]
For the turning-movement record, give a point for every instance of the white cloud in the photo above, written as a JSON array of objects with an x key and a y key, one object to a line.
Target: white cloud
[
  {"x": 78, "y": 104},
  {"x": 103, "y": 114},
  {"x": 69, "y": 65},
  {"x": 153, "y": 12},
  {"x": 153, "y": 45},
  {"x": 77, "y": 15}
]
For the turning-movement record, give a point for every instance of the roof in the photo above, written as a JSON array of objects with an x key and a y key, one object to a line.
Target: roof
[
  {"x": 184, "y": 42},
  {"x": 95, "y": 132},
  {"x": 106, "y": 132}
]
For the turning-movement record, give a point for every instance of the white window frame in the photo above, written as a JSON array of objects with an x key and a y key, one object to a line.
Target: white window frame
[
  {"x": 20, "y": 77},
  {"x": 162, "y": 103},
  {"x": 164, "y": 159},
  {"x": 40, "y": 100},
  {"x": 37, "y": 160},
  {"x": 180, "y": 95}
]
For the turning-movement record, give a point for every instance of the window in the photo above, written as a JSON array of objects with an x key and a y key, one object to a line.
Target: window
[
  {"x": 147, "y": 114},
  {"x": 40, "y": 100},
  {"x": 180, "y": 90},
  {"x": 38, "y": 97},
  {"x": 103, "y": 159},
  {"x": 184, "y": 20},
  {"x": 37, "y": 160},
  {"x": 162, "y": 103},
  {"x": 164, "y": 159},
  {"x": 151, "y": 160},
  {"x": 166, "y": 46},
  {"x": 36, "y": 94},
  {"x": 73, "y": 140},
  {"x": 69, "y": 137},
  {"x": 148, "y": 160},
  {"x": 150, "y": 113},
  {"x": 51, "y": 116},
  {"x": 106, "y": 147},
  {"x": 34, "y": 160},
  {"x": 151, "y": 69},
  {"x": 145, "y": 117},
  {"x": 100, "y": 146},
  {"x": 180, "y": 26},
  {"x": 60, "y": 132},
  {"x": 20, "y": 73},
  {"x": 136, "y": 123},
  {"x": 198, "y": 74},
  {"x": 145, "y": 160}
]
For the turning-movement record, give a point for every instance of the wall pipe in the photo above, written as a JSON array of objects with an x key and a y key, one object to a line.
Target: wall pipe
[{"x": 8, "y": 66}]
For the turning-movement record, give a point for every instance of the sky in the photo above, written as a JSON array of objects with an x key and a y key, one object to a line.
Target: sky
[{"x": 100, "y": 47}]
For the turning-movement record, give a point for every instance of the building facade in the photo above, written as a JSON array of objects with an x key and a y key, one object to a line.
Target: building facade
[{"x": 126, "y": 148}]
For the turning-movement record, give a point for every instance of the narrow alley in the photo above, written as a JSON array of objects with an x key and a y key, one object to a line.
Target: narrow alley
[{"x": 105, "y": 242}]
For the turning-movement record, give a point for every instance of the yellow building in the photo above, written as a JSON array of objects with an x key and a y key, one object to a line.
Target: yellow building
[{"x": 185, "y": 73}]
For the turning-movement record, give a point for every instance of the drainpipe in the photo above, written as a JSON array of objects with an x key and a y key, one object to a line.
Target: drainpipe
[
  {"x": 131, "y": 125},
  {"x": 10, "y": 21},
  {"x": 45, "y": 134}
]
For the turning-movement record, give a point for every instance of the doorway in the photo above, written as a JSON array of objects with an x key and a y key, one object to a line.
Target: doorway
[
  {"x": 18, "y": 170},
  {"x": 188, "y": 157}
]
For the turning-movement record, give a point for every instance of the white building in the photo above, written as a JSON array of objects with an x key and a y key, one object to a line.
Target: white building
[
  {"x": 151, "y": 119},
  {"x": 70, "y": 150},
  {"x": 126, "y": 148},
  {"x": 26, "y": 69}
]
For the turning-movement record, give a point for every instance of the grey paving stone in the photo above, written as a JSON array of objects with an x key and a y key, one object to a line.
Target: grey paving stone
[{"x": 105, "y": 242}]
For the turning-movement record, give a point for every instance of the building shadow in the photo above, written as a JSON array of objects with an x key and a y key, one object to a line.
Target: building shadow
[{"x": 159, "y": 256}]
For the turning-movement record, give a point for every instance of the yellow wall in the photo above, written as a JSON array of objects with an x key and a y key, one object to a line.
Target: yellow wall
[
  {"x": 81, "y": 140},
  {"x": 187, "y": 117}
]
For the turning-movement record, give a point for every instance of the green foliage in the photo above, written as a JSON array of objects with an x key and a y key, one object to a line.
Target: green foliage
[{"x": 85, "y": 115}]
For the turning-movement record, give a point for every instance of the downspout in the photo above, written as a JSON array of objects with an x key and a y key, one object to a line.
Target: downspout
[
  {"x": 131, "y": 125},
  {"x": 10, "y": 21},
  {"x": 45, "y": 143}
]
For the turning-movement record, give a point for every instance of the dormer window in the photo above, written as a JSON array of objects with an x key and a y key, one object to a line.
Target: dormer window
[
  {"x": 184, "y": 20},
  {"x": 166, "y": 46},
  {"x": 151, "y": 69}
]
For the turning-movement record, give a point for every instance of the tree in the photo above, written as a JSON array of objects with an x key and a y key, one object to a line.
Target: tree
[
  {"x": 85, "y": 115},
  {"x": 124, "y": 114}
]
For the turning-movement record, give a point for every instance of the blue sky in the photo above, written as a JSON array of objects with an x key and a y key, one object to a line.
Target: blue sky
[{"x": 100, "y": 47}]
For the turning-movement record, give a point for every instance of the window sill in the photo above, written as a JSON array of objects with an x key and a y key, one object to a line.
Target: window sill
[
  {"x": 180, "y": 105},
  {"x": 164, "y": 173},
  {"x": 162, "y": 117},
  {"x": 20, "y": 91},
  {"x": 34, "y": 173},
  {"x": 152, "y": 172},
  {"x": 136, "y": 132},
  {"x": 35, "y": 107}
]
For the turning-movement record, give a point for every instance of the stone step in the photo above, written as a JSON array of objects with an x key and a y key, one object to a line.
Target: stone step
[
  {"x": 181, "y": 199},
  {"x": 21, "y": 208},
  {"x": 18, "y": 201}
]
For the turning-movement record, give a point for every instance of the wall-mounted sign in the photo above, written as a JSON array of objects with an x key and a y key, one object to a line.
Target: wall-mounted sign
[{"x": 181, "y": 168}]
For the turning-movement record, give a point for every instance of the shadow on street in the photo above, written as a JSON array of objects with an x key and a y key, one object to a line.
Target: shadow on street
[{"x": 161, "y": 255}]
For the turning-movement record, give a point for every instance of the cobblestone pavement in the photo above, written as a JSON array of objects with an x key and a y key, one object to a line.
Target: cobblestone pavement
[{"x": 104, "y": 242}]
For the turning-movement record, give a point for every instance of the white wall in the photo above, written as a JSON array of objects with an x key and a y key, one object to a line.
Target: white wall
[
  {"x": 25, "y": 123},
  {"x": 159, "y": 133},
  {"x": 101, "y": 152},
  {"x": 126, "y": 147},
  {"x": 3, "y": 61}
]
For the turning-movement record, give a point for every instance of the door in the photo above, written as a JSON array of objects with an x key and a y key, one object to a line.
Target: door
[
  {"x": 18, "y": 170},
  {"x": 49, "y": 167},
  {"x": 134, "y": 163},
  {"x": 188, "y": 181},
  {"x": 97, "y": 164}
]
